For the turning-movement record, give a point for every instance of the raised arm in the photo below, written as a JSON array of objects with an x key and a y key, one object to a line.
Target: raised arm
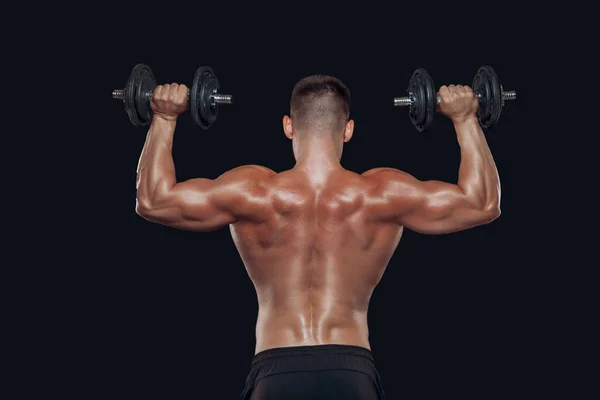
[
  {"x": 197, "y": 204},
  {"x": 436, "y": 207}
]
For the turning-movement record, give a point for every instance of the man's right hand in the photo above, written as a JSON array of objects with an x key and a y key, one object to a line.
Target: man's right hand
[
  {"x": 169, "y": 101},
  {"x": 458, "y": 103}
]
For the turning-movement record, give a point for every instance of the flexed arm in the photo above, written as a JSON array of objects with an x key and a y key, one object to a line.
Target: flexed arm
[
  {"x": 199, "y": 204},
  {"x": 437, "y": 207}
]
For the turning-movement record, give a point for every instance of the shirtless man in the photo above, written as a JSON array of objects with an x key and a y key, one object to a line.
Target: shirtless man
[{"x": 316, "y": 239}]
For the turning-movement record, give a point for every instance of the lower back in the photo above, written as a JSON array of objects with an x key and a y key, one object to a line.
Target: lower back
[{"x": 317, "y": 323}]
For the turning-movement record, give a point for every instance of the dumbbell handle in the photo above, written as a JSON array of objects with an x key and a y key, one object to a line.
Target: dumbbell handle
[
  {"x": 217, "y": 98},
  {"x": 407, "y": 101}
]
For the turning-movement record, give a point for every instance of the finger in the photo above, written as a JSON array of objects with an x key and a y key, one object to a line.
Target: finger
[
  {"x": 467, "y": 92},
  {"x": 183, "y": 89},
  {"x": 444, "y": 92},
  {"x": 173, "y": 87},
  {"x": 164, "y": 91},
  {"x": 462, "y": 90},
  {"x": 174, "y": 93},
  {"x": 157, "y": 92},
  {"x": 182, "y": 94}
]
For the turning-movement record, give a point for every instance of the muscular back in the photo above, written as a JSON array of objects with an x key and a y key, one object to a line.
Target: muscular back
[
  {"x": 316, "y": 245},
  {"x": 316, "y": 248},
  {"x": 315, "y": 256}
]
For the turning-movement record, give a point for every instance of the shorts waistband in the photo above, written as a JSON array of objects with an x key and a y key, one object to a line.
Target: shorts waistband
[{"x": 316, "y": 350}]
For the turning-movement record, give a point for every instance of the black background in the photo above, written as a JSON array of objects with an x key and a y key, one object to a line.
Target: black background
[{"x": 170, "y": 314}]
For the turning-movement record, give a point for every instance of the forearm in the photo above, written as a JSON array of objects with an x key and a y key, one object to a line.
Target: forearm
[
  {"x": 478, "y": 176},
  {"x": 156, "y": 170}
]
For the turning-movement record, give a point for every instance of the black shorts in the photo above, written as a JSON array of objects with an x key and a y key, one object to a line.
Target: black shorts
[{"x": 330, "y": 371}]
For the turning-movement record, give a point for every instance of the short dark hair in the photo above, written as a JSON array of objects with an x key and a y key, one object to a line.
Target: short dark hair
[{"x": 321, "y": 102}]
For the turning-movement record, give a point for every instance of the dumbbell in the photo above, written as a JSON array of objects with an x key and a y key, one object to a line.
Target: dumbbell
[
  {"x": 423, "y": 100},
  {"x": 203, "y": 96}
]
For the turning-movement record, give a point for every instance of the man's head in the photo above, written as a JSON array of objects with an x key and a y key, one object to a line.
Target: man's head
[{"x": 319, "y": 108}]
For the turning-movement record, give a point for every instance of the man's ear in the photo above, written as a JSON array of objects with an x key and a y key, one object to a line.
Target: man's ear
[
  {"x": 349, "y": 130},
  {"x": 287, "y": 127}
]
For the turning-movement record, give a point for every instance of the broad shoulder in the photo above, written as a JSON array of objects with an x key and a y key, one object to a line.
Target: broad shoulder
[
  {"x": 393, "y": 183},
  {"x": 387, "y": 175},
  {"x": 248, "y": 172}
]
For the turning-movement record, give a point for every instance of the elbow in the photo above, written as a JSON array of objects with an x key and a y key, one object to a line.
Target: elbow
[
  {"x": 143, "y": 207},
  {"x": 492, "y": 212},
  {"x": 485, "y": 211}
]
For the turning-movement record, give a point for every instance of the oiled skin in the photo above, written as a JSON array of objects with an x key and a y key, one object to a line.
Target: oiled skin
[
  {"x": 316, "y": 239},
  {"x": 315, "y": 258}
]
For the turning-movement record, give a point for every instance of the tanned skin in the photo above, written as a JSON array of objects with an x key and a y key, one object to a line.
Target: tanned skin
[{"x": 316, "y": 239}]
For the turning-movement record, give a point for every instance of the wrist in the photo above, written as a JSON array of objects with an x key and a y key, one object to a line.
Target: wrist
[
  {"x": 163, "y": 126},
  {"x": 164, "y": 119},
  {"x": 465, "y": 120},
  {"x": 162, "y": 129}
]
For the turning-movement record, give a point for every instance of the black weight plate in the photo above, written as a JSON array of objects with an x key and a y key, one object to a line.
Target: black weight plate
[
  {"x": 137, "y": 105},
  {"x": 430, "y": 99},
  {"x": 204, "y": 110},
  {"x": 148, "y": 83},
  {"x": 482, "y": 89},
  {"x": 486, "y": 84},
  {"x": 417, "y": 95},
  {"x": 422, "y": 91},
  {"x": 130, "y": 91}
]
